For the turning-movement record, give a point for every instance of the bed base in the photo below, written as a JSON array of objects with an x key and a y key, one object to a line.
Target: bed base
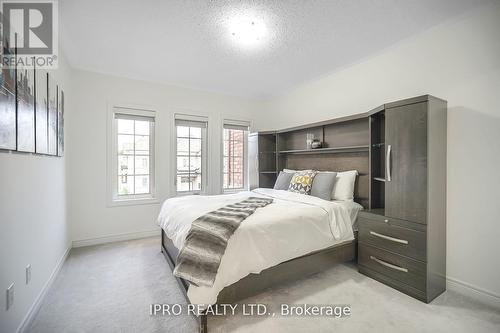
[{"x": 286, "y": 272}]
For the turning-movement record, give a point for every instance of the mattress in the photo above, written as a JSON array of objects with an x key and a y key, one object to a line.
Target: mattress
[{"x": 292, "y": 226}]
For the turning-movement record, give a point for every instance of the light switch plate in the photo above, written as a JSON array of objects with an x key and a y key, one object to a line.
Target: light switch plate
[
  {"x": 28, "y": 274},
  {"x": 10, "y": 296}
]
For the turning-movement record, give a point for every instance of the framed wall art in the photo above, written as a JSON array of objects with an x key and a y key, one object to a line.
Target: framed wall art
[
  {"x": 52, "y": 126},
  {"x": 60, "y": 122},
  {"x": 25, "y": 109},
  {"x": 8, "y": 139},
  {"x": 41, "y": 108}
]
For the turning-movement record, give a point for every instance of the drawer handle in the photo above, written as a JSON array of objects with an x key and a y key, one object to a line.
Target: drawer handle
[
  {"x": 392, "y": 239},
  {"x": 386, "y": 264}
]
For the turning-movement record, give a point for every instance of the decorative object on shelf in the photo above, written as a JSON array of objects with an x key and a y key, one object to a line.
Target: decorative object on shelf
[
  {"x": 309, "y": 140},
  {"x": 316, "y": 144}
]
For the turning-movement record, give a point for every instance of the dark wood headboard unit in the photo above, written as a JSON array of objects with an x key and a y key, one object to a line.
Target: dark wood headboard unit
[
  {"x": 349, "y": 143},
  {"x": 345, "y": 146}
]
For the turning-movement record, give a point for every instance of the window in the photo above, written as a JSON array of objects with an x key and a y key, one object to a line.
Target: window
[
  {"x": 235, "y": 139},
  {"x": 190, "y": 153},
  {"x": 132, "y": 154}
]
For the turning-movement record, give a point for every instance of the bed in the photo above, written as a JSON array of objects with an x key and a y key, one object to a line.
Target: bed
[{"x": 295, "y": 236}]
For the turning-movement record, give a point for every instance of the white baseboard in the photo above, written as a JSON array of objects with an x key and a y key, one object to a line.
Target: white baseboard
[
  {"x": 28, "y": 318},
  {"x": 478, "y": 294},
  {"x": 116, "y": 238}
]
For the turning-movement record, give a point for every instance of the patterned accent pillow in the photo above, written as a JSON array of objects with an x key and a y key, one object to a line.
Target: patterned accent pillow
[{"x": 302, "y": 181}]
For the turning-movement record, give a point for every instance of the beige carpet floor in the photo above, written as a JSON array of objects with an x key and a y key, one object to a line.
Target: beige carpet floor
[{"x": 109, "y": 288}]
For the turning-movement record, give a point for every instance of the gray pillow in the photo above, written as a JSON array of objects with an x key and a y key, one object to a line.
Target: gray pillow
[
  {"x": 283, "y": 181},
  {"x": 323, "y": 185}
]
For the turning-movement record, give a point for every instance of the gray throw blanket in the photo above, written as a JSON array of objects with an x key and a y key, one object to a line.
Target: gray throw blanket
[{"x": 206, "y": 242}]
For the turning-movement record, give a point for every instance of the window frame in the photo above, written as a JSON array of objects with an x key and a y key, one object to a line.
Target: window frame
[
  {"x": 114, "y": 199},
  {"x": 204, "y": 152},
  {"x": 235, "y": 123}
]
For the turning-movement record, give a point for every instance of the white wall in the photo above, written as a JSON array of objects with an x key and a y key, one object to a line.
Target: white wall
[
  {"x": 460, "y": 62},
  {"x": 33, "y": 224},
  {"x": 89, "y": 214}
]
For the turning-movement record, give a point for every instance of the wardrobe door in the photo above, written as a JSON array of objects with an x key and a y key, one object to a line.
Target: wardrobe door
[{"x": 406, "y": 162}]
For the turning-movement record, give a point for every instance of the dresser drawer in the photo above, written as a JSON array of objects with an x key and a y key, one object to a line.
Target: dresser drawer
[
  {"x": 404, "y": 241},
  {"x": 379, "y": 217},
  {"x": 405, "y": 270}
]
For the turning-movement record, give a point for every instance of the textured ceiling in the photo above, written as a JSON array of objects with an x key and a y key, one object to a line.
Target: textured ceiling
[{"x": 187, "y": 43}]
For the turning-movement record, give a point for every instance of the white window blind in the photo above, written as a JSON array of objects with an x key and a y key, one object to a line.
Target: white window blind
[
  {"x": 128, "y": 116},
  {"x": 236, "y": 125},
  {"x": 190, "y": 123}
]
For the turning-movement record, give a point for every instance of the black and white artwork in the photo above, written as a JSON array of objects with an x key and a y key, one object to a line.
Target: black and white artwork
[
  {"x": 52, "y": 143},
  {"x": 26, "y": 109},
  {"x": 31, "y": 116},
  {"x": 41, "y": 107},
  {"x": 7, "y": 101},
  {"x": 60, "y": 122}
]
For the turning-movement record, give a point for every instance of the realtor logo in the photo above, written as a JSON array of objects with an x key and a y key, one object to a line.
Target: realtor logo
[{"x": 30, "y": 27}]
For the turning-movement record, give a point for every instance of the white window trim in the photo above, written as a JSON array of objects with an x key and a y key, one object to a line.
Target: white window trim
[
  {"x": 245, "y": 187},
  {"x": 112, "y": 163},
  {"x": 204, "y": 153}
]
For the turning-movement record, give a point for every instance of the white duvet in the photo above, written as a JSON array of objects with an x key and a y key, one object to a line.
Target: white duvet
[{"x": 292, "y": 226}]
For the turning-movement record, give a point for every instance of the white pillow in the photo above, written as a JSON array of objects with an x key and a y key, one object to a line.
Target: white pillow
[{"x": 343, "y": 189}]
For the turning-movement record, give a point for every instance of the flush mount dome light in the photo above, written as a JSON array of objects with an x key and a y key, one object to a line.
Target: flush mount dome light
[{"x": 247, "y": 31}]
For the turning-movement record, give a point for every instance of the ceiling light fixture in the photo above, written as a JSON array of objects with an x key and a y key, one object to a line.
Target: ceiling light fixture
[{"x": 247, "y": 31}]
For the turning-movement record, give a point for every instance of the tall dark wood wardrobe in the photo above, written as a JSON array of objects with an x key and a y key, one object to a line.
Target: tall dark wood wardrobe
[{"x": 402, "y": 237}]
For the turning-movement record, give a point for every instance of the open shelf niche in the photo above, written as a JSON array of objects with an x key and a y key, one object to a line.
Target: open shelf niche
[
  {"x": 262, "y": 159},
  {"x": 345, "y": 146},
  {"x": 377, "y": 160}
]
